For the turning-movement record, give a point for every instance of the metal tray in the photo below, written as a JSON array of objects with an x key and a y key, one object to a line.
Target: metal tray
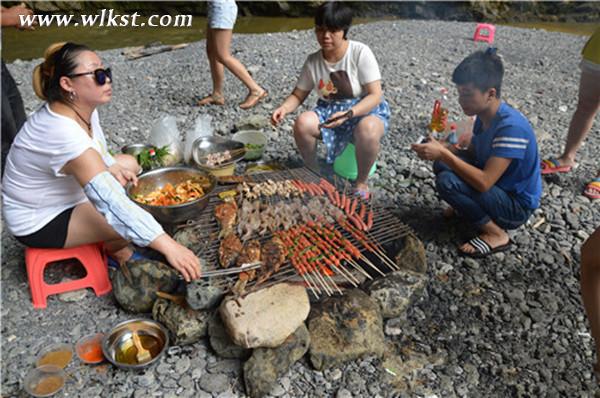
[{"x": 206, "y": 145}]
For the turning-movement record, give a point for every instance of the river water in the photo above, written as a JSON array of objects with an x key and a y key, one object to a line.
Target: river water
[{"x": 31, "y": 44}]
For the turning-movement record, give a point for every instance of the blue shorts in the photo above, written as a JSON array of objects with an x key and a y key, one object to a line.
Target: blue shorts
[
  {"x": 222, "y": 14},
  {"x": 336, "y": 139}
]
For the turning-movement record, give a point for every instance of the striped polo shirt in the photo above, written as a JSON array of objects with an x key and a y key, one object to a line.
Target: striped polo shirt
[{"x": 511, "y": 136}]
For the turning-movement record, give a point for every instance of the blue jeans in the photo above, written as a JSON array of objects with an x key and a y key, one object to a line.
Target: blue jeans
[{"x": 479, "y": 207}]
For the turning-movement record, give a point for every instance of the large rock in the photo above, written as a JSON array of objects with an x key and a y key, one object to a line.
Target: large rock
[
  {"x": 396, "y": 291},
  {"x": 267, "y": 317},
  {"x": 185, "y": 324},
  {"x": 202, "y": 294},
  {"x": 221, "y": 342},
  {"x": 412, "y": 256},
  {"x": 267, "y": 365},
  {"x": 138, "y": 293},
  {"x": 345, "y": 328}
]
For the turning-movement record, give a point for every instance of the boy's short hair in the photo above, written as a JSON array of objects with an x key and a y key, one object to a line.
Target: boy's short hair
[
  {"x": 484, "y": 69},
  {"x": 334, "y": 15}
]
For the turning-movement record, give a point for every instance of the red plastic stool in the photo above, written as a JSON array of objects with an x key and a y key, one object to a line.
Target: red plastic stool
[
  {"x": 91, "y": 257},
  {"x": 484, "y": 32}
]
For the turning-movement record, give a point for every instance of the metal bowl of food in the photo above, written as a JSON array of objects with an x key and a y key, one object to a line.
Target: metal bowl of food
[
  {"x": 119, "y": 348},
  {"x": 254, "y": 141},
  {"x": 172, "y": 194},
  {"x": 215, "y": 154},
  {"x": 136, "y": 149}
]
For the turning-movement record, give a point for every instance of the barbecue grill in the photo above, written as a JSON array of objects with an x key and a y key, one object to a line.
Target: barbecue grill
[{"x": 387, "y": 228}]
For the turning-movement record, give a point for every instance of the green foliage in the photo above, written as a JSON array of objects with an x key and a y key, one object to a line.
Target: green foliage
[{"x": 149, "y": 159}]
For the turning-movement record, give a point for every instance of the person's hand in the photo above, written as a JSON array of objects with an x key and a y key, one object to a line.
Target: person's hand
[
  {"x": 278, "y": 115},
  {"x": 10, "y": 17},
  {"x": 123, "y": 175},
  {"x": 431, "y": 150},
  {"x": 336, "y": 123},
  {"x": 183, "y": 260},
  {"x": 464, "y": 140}
]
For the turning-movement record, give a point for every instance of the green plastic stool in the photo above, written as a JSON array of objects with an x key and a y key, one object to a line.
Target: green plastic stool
[{"x": 345, "y": 164}]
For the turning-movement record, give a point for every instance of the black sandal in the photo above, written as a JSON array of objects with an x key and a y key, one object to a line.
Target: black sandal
[{"x": 483, "y": 249}]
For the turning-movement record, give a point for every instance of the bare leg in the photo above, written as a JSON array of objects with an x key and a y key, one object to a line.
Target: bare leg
[
  {"x": 581, "y": 123},
  {"x": 367, "y": 137},
  {"x": 217, "y": 71},
  {"x": 306, "y": 134},
  {"x": 492, "y": 234},
  {"x": 590, "y": 287},
  {"x": 222, "y": 39},
  {"x": 87, "y": 225}
]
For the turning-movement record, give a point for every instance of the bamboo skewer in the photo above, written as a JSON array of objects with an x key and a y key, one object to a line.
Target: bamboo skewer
[
  {"x": 360, "y": 269},
  {"x": 309, "y": 285},
  {"x": 370, "y": 264},
  {"x": 346, "y": 274},
  {"x": 334, "y": 285}
]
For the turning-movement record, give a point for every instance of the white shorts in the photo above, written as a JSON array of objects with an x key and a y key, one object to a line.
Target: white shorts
[{"x": 222, "y": 14}]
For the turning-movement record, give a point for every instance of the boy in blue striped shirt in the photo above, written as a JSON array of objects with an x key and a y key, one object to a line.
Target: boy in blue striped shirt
[{"x": 496, "y": 183}]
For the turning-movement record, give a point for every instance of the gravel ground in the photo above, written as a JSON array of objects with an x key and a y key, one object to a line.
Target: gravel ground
[{"x": 508, "y": 325}]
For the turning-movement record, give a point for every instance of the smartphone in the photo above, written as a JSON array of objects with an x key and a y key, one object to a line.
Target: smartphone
[{"x": 422, "y": 139}]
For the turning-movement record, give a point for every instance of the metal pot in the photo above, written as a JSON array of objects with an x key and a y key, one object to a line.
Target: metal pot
[
  {"x": 120, "y": 340},
  {"x": 157, "y": 179}
]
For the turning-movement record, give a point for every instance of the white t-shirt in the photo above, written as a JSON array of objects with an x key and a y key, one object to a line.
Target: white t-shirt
[
  {"x": 34, "y": 191},
  {"x": 345, "y": 78}
]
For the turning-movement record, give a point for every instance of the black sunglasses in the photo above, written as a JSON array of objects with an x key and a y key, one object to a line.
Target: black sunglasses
[{"x": 99, "y": 74}]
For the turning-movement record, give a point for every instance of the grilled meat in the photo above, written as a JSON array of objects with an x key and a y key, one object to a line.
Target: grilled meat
[
  {"x": 226, "y": 215},
  {"x": 229, "y": 250},
  {"x": 273, "y": 256},
  {"x": 250, "y": 253}
]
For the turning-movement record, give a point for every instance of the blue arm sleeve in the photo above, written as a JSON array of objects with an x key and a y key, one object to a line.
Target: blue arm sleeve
[{"x": 128, "y": 219}]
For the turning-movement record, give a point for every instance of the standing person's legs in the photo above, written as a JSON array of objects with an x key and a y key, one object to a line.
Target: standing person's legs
[
  {"x": 217, "y": 72},
  {"x": 222, "y": 45},
  {"x": 13, "y": 112},
  {"x": 581, "y": 123},
  {"x": 367, "y": 137},
  {"x": 590, "y": 288},
  {"x": 306, "y": 134}
]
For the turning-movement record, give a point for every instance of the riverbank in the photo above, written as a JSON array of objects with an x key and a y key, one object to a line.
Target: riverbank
[{"x": 508, "y": 325}]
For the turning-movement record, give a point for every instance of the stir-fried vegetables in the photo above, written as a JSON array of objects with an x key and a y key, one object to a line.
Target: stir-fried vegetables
[{"x": 169, "y": 195}]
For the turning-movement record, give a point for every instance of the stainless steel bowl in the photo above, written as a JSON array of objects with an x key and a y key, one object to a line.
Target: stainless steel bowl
[
  {"x": 135, "y": 149},
  {"x": 157, "y": 179},
  {"x": 120, "y": 339},
  {"x": 206, "y": 145}
]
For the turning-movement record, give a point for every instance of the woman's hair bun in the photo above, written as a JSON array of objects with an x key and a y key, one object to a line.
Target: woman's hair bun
[{"x": 43, "y": 72}]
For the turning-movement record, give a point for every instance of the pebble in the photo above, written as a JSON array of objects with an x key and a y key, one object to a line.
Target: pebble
[
  {"x": 146, "y": 379},
  {"x": 214, "y": 382},
  {"x": 74, "y": 296},
  {"x": 343, "y": 393},
  {"x": 182, "y": 365}
]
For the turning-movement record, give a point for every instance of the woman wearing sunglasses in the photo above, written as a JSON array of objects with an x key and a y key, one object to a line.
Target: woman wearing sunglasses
[{"x": 61, "y": 187}]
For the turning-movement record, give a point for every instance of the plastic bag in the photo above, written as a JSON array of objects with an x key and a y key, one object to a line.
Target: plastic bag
[
  {"x": 164, "y": 133},
  {"x": 202, "y": 128}
]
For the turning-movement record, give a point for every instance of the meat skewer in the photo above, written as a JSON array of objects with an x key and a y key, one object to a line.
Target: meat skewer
[{"x": 365, "y": 241}]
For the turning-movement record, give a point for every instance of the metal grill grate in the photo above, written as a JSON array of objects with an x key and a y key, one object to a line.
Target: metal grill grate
[{"x": 386, "y": 228}]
